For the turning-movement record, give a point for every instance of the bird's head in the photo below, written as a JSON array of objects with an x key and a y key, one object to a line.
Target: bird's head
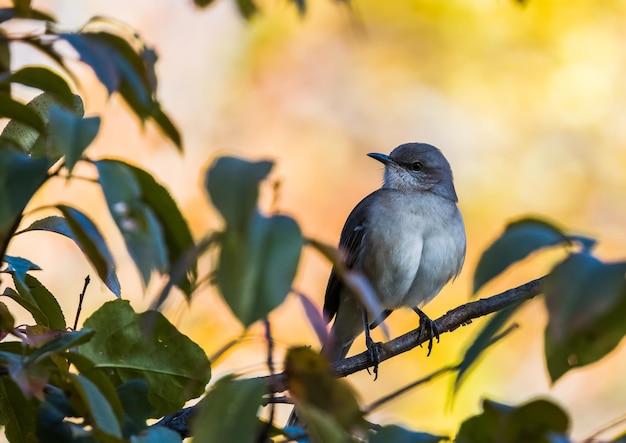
[{"x": 417, "y": 167}]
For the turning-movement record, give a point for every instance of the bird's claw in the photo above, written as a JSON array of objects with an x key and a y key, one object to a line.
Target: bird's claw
[
  {"x": 427, "y": 328},
  {"x": 374, "y": 356}
]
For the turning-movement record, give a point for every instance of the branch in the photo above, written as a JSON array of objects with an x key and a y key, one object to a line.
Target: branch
[{"x": 448, "y": 322}]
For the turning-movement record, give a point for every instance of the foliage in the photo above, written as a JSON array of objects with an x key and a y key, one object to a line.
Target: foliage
[{"x": 104, "y": 381}]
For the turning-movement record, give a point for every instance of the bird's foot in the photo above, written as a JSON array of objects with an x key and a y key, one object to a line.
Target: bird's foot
[
  {"x": 374, "y": 355},
  {"x": 428, "y": 328}
]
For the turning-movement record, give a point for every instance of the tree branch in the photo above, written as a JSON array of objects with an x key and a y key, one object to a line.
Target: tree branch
[{"x": 448, "y": 322}]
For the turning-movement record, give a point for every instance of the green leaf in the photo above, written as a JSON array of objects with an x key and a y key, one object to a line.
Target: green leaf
[
  {"x": 17, "y": 413},
  {"x": 20, "y": 177},
  {"x": 176, "y": 232},
  {"x": 483, "y": 340},
  {"x": 71, "y": 134},
  {"x": 15, "y": 110},
  {"x": 98, "y": 377},
  {"x": 167, "y": 127},
  {"x": 101, "y": 415},
  {"x": 59, "y": 344},
  {"x": 233, "y": 186},
  {"x": 137, "y": 408},
  {"x": 229, "y": 411},
  {"x": 396, "y": 434},
  {"x": 247, "y": 8},
  {"x": 156, "y": 435},
  {"x": 19, "y": 266},
  {"x": 203, "y": 3},
  {"x": 255, "y": 272},
  {"x": 322, "y": 426},
  {"x": 51, "y": 424},
  {"x": 5, "y": 64},
  {"x": 88, "y": 238},
  {"x": 36, "y": 299},
  {"x": 149, "y": 347},
  {"x": 31, "y": 140},
  {"x": 45, "y": 80},
  {"x": 99, "y": 56},
  {"x": 121, "y": 68},
  {"x": 136, "y": 220},
  {"x": 536, "y": 421},
  {"x": 520, "y": 238},
  {"x": 585, "y": 299}
]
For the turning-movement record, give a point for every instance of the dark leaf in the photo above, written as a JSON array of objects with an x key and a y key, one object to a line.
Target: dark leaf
[
  {"x": 156, "y": 435},
  {"x": 71, "y": 134},
  {"x": 312, "y": 383},
  {"x": 59, "y": 344},
  {"x": 137, "y": 408},
  {"x": 19, "y": 112},
  {"x": 586, "y": 300},
  {"x": 88, "y": 238},
  {"x": 203, "y": 3},
  {"x": 237, "y": 422},
  {"x": 7, "y": 322},
  {"x": 98, "y": 377},
  {"x": 29, "y": 139},
  {"x": 147, "y": 346},
  {"x": 255, "y": 272},
  {"x": 100, "y": 413},
  {"x": 20, "y": 177},
  {"x": 5, "y": 64},
  {"x": 176, "y": 232},
  {"x": 396, "y": 434},
  {"x": 247, "y": 8},
  {"x": 169, "y": 129},
  {"x": 136, "y": 220},
  {"x": 17, "y": 413},
  {"x": 233, "y": 186},
  {"x": 45, "y": 80},
  {"x": 519, "y": 239},
  {"x": 98, "y": 56},
  {"x": 536, "y": 421},
  {"x": 36, "y": 299}
]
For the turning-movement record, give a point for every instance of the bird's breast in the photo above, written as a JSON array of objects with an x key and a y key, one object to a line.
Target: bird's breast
[{"x": 416, "y": 246}]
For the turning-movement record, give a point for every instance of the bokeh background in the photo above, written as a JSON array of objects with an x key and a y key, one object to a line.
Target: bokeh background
[{"x": 528, "y": 102}]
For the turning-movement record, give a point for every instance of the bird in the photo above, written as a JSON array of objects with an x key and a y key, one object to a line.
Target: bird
[{"x": 407, "y": 238}]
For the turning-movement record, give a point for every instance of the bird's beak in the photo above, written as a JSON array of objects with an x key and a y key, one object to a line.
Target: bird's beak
[{"x": 384, "y": 159}]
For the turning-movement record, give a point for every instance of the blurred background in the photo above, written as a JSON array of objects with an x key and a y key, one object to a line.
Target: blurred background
[{"x": 528, "y": 103}]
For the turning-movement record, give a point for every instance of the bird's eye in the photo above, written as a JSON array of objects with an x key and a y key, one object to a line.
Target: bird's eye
[{"x": 417, "y": 166}]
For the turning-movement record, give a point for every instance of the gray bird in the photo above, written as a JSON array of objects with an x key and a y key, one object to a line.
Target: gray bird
[{"x": 407, "y": 238}]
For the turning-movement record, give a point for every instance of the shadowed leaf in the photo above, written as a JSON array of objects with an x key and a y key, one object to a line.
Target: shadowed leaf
[
  {"x": 585, "y": 299},
  {"x": 396, "y": 434},
  {"x": 237, "y": 422},
  {"x": 88, "y": 238},
  {"x": 136, "y": 220},
  {"x": 45, "y": 80},
  {"x": 175, "y": 368},
  {"x": 520, "y": 238},
  {"x": 233, "y": 186}
]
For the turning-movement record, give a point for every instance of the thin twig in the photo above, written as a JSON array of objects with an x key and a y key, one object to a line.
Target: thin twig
[
  {"x": 263, "y": 435},
  {"x": 81, "y": 297}
]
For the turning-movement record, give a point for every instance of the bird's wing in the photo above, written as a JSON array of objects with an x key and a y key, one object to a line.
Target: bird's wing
[{"x": 352, "y": 236}]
